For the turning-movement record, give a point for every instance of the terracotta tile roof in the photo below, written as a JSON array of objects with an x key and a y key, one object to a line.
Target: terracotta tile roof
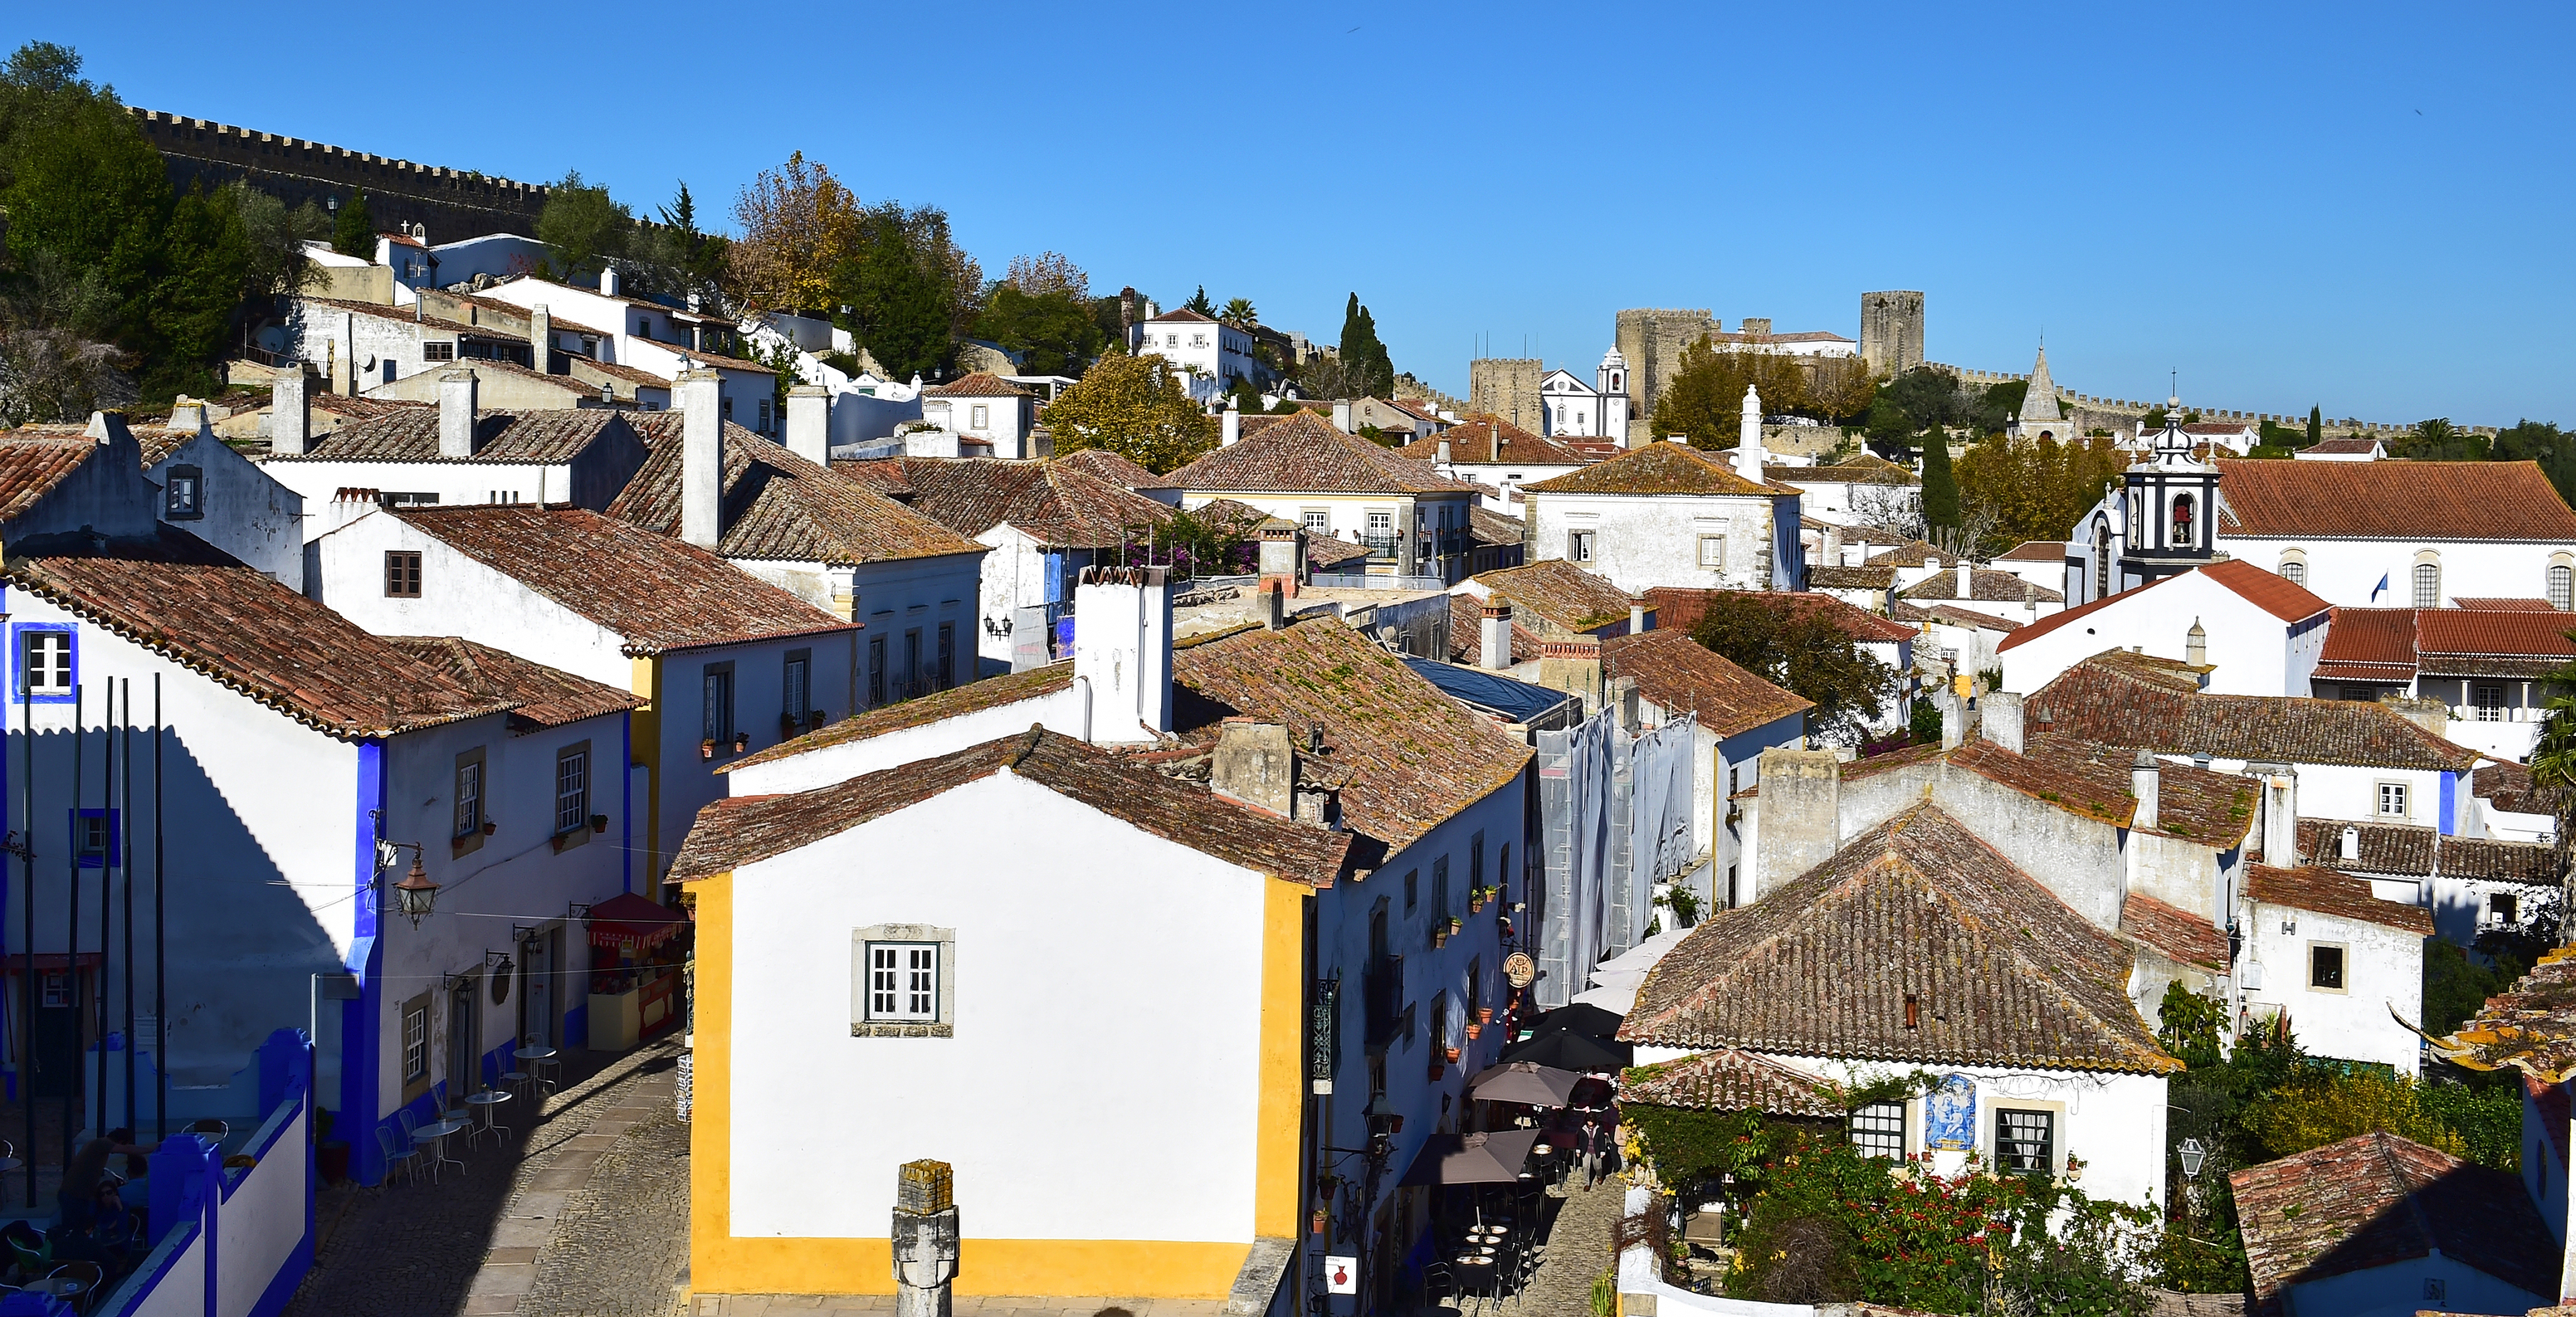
[
  {"x": 1851, "y": 578},
  {"x": 2176, "y": 932},
  {"x": 1471, "y": 441},
  {"x": 1659, "y": 468},
  {"x": 981, "y": 384},
  {"x": 1493, "y": 527},
  {"x": 192, "y": 603},
  {"x": 541, "y": 696},
  {"x": 1680, "y": 608},
  {"x": 938, "y": 706},
  {"x": 2497, "y": 859},
  {"x": 534, "y": 438},
  {"x": 522, "y": 314},
  {"x": 2463, "y": 642},
  {"x": 1118, "y": 469},
  {"x": 2195, "y": 804},
  {"x": 2345, "y": 444},
  {"x": 2003, "y": 973},
  {"x": 2373, "y": 1200},
  {"x": 2392, "y": 501},
  {"x": 2369, "y": 644},
  {"x": 1729, "y": 1080},
  {"x": 32, "y": 464},
  {"x": 2531, "y": 1027},
  {"x": 1870, "y": 766},
  {"x": 1301, "y": 454},
  {"x": 2329, "y": 893},
  {"x": 1325, "y": 551},
  {"x": 630, "y": 374},
  {"x": 1984, "y": 585},
  {"x": 1902, "y": 611},
  {"x": 654, "y": 592},
  {"x": 2036, "y": 551},
  {"x": 1467, "y": 633},
  {"x": 358, "y": 407},
  {"x": 1680, "y": 674},
  {"x": 2275, "y": 594},
  {"x": 1411, "y": 755},
  {"x": 885, "y": 475},
  {"x": 1054, "y": 505},
  {"x": 1912, "y": 553},
  {"x": 2419, "y": 852},
  {"x": 744, "y": 829},
  {"x": 1559, "y": 593},
  {"x": 2502, "y": 604},
  {"x": 1251, "y": 424},
  {"x": 778, "y": 506},
  {"x": 2124, "y": 699},
  {"x": 1181, "y": 315}
]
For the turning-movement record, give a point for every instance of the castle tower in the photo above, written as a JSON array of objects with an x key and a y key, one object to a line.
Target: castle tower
[
  {"x": 2040, "y": 417},
  {"x": 1652, "y": 342},
  {"x": 1891, "y": 332},
  {"x": 1612, "y": 382},
  {"x": 1507, "y": 387}
]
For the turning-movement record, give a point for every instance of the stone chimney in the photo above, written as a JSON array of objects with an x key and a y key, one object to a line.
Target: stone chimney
[
  {"x": 1282, "y": 558},
  {"x": 1494, "y": 636},
  {"x": 1274, "y": 606},
  {"x": 456, "y": 409},
  {"x": 809, "y": 423},
  {"x": 1749, "y": 456},
  {"x": 290, "y": 416},
  {"x": 1342, "y": 416},
  {"x": 2142, "y": 783},
  {"x": 1444, "y": 453},
  {"x": 2195, "y": 645},
  {"x": 608, "y": 281},
  {"x": 698, "y": 395},
  {"x": 2431, "y": 715},
  {"x": 1636, "y": 619},
  {"x": 1255, "y": 764},
  {"x": 2002, "y": 719},
  {"x": 541, "y": 340},
  {"x": 1122, "y": 651},
  {"x": 1800, "y": 815},
  {"x": 1232, "y": 423}
]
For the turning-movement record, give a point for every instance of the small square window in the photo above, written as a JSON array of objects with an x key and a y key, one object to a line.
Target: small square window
[
  {"x": 979, "y": 417},
  {"x": 2326, "y": 967},
  {"x": 902, "y": 981},
  {"x": 45, "y": 663},
  {"x": 402, "y": 574},
  {"x": 1878, "y": 1130},
  {"x": 469, "y": 794},
  {"x": 1412, "y": 889},
  {"x": 2392, "y": 800},
  {"x": 2026, "y": 1141},
  {"x": 1579, "y": 545},
  {"x": 57, "y": 989},
  {"x": 95, "y": 837},
  {"x": 182, "y": 494},
  {"x": 438, "y": 351},
  {"x": 2504, "y": 907},
  {"x": 1712, "y": 551}
]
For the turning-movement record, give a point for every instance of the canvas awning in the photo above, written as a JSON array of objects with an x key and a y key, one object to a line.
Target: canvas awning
[{"x": 632, "y": 924}]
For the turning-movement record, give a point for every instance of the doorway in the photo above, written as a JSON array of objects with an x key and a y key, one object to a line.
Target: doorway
[
  {"x": 464, "y": 1040},
  {"x": 537, "y": 991},
  {"x": 60, "y": 999}
]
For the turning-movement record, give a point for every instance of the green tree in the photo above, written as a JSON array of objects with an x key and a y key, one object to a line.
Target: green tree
[
  {"x": 2554, "y": 449},
  {"x": 2316, "y": 425},
  {"x": 353, "y": 232},
  {"x": 587, "y": 228},
  {"x": 1135, "y": 407},
  {"x": 1055, "y": 329},
  {"x": 1199, "y": 302},
  {"x": 206, "y": 253},
  {"x": 278, "y": 265},
  {"x": 1705, "y": 400},
  {"x": 1238, "y": 312},
  {"x": 675, "y": 258},
  {"x": 2034, "y": 487},
  {"x": 83, "y": 185},
  {"x": 911, "y": 293},
  {"x": 1940, "y": 485},
  {"x": 2190, "y": 1025},
  {"x": 1366, "y": 369},
  {"x": 1800, "y": 650}
]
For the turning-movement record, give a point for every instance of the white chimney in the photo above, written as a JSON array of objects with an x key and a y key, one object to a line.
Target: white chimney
[
  {"x": 608, "y": 281},
  {"x": 456, "y": 413},
  {"x": 1232, "y": 424},
  {"x": 1495, "y": 638},
  {"x": 1749, "y": 456},
  {"x": 541, "y": 340},
  {"x": 188, "y": 414},
  {"x": 809, "y": 423},
  {"x": 699, "y": 397},
  {"x": 1964, "y": 586},
  {"x": 2351, "y": 847},
  {"x": 1342, "y": 416},
  {"x": 1636, "y": 619},
  {"x": 1444, "y": 453},
  {"x": 290, "y": 417},
  {"x": 2195, "y": 644},
  {"x": 1122, "y": 651},
  {"x": 2142, "y": 784}
]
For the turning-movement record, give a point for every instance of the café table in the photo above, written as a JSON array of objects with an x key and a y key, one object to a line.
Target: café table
[
  {"x": 437, "y": 1135},
  {"x": 484, "y": 1105},
  {"x": 543, "y": 1063}
]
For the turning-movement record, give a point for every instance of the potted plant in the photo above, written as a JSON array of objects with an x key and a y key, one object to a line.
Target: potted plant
[
  {"x": 1439, "y": 935},
  {"x": 707, "y": 749},
  {"x": 1452, "y": 1054},
  {"x": 788, "y": 724},
  {"x": 599, "y": 824},
  {"x": 741, "y": 742},
  {"x": 1475, "y": 1031},
  {"x": 1455, "y": 925},
  {"x": 1484, "y": 1015}
]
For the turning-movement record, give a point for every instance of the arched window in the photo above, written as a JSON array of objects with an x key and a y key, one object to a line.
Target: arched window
[
  {"x": 2101, "y": 560},
  {"x": 2559, "y": 584},
  {"x": 2182, "y": 528},
  {"x": 1614, "y": 381},
  {"x": 2294, "y": 568},
  {"x": 2428, "y": 585}
]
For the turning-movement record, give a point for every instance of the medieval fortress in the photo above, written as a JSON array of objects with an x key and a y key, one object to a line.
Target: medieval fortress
[{"x": 1650, "y": 342}]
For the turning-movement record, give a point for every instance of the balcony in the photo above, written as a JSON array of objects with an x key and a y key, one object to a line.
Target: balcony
[
  {"x": 1381, "y": 993},
  {"x": 1382, "y": 547}
]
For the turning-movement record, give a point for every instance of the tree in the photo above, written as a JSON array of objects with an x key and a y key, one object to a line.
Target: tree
[
  {"x": 1052, "y": 272},
  {"x": 2035, "y": 488},
  {"x": 911, "y": 293},
  {"x": 278, "y": 265},
  {"x": 1135, "y": 407},
  {"x": 1055, "y": 329},
  {"x": 2316, "y": 426},
  {"x": 1940, "y": 487},
  {"x": 353, "y": 232},
  {"x": 675, "y": 259},
  {"x": 1367, "y": 370},
  {"x": 1838, "y": 389},
  {"x": 798, "y": 225},
  {"x": 587, "y": 228},
  {"x": 2554, "y": 449},
  {"x": 1238, "y": 312},
  {"x": 205, "y": 252},
  {"x": 1199, "y": 302},
  {"x": 1801, "y": 650}
]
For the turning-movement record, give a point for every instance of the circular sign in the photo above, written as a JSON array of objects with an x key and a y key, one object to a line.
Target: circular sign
[{"x": 1519, "y": 970}]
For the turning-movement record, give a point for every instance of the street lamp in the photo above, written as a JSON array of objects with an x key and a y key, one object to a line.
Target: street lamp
[
  {"x": 2192, "y": 1157},
  {"x": 415, "y": 894}
]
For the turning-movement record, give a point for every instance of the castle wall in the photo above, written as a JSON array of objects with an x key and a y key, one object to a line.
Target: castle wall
[
  {"x": 1507, "y": 387},
  {"x": 450, "y": 203}
]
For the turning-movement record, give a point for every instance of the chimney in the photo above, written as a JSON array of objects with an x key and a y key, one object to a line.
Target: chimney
[
  {"x": 608, "y": 281},
  {"x": 2281, "y": 818},
  {"x": 1965, "y": 586},
  {"x": 188, "y": 414},
  {"x": 698, "y": 395},
  {"x": 1122, "y": 651},
  {"x": 1493, "y": 441},
  {"x": 1800, "y": 815},
  {"x": 1282, "y": 558},
  {"x": 1749, "y": 456},
  {"x": 809, "y": 423},
  {"x": 290, "y": 417},
  {"x": 456, "y": 413},
  {"x": 1342, "y": 416},
  {"x": 1274, "y": 607},
  {"x": 541, "y": 340},
  {"x": 2195, "y": 645},
  {"x": 1494, "y": 636},
  {"x": 1573, "y": 666},
  {"x": 1444, "y": 452},
  {"x": 1636, "y": 619},
  {"x": 1232, "y": 433},
  {"x": 2002, "y": 721},
  {"x": 1833, "y": 545},
  {"x": 2142, "y": 784},
  {"x": 2351, "y": 847},
  {"x": 1255, "y": 764}
]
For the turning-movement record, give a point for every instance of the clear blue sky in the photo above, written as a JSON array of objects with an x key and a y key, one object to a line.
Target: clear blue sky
[{"x": 2365, "y": 207}]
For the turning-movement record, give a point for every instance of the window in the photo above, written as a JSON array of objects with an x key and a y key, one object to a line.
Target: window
[
  {"x": 402, "y": 574},
  {"x": 182, "y": 494},
  {"x": 1878, "y": 1130},
  {"x": 1412, "y": 889},
  {"x": 1318, "y": 521},
  {"x": 1381, "y": 524},
  {"x": 45, "y": 662},
  {"x": 2504, "y": 907},
  {"x": 415, "y": 1038},
  {"x": 2392, "y": 800},
  {"x": 438, "y": 351},
  {"x": 1440, "y": 889},
  {"x": 2325, "y": 967},
  {"x": 764, "y": 415},
  {"x": 1579, "y": 545},
  {"x": 876, "y": 671},
  {"x": 572, "y": 789},
  {"x": 1712, "y": 551},
  {"x": 469, "y": 794},
  {"x": 57, "y": 989},
  {"x": 1439, "y": 1022},
  {"x": 979, "y": 417},
  {"x": 912, "y": 657},
  {"x": 1198, "y": 340},
  {"x": 2488, "y": 701},
  {"x": 1476, "y": 861},
  {"x": 2026, "y": 1141},
  {"x": 718, "y": 713},
  {"x": 2101, "y": 561},
  {"x": 2559, "y": 587},
  {"x": 2294, "y": 569},
  {"x": 903, "y": 986},
  {"x": 95, "y": 833},
  {"x": 1503, "y": 866},
  {"x": 725, "y": 407},
  {"x": 796, "y": 689},
  {"x": 947, "y": 672},
  {"x": 2428, "y": 585},
  {"x": 1171, "y": 340}
]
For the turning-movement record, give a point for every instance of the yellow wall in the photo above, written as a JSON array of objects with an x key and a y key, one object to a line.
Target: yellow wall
[{"x": 722, "y": 1264}]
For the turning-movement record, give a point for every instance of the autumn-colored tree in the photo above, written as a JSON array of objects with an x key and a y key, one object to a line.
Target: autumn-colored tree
[
  {"x": 1048, "y": 272},
  {"x": 2037, "y": 489},
  {"x": 1838, "y": 388},
  {"x": 1136, "y": 408},
  {"x": 798, "y": 226},
  {"x": 1705, "y": 401}
]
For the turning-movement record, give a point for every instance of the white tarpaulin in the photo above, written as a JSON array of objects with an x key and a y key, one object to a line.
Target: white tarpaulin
[{"x": 1614, "y": 821}]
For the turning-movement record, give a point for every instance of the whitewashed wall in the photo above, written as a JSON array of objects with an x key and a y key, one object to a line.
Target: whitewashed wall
[{"x": 2383, "y": 972}]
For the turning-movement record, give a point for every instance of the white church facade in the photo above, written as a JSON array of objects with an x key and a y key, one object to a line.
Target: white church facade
[{"x": 1572, "y": 409}]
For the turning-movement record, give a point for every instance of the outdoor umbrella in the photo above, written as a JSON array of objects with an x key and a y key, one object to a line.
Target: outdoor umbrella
[
  {"x": 1495, "y": 1158},
  {"x": 1563, "y": 1049},
  {"x": 1525, "y": 1082},
  {"x": 1590, "y": 1021}
]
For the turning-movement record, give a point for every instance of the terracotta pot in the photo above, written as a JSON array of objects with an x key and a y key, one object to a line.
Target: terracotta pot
[
  {"x": 1475, "y": 1031},
  {"x": 1484, "y": 1015},
  {"x": 1453, "y": 1055}
]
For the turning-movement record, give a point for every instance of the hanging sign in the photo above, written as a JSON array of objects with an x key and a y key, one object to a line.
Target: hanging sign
[{"x": 1341, "y": 1274}]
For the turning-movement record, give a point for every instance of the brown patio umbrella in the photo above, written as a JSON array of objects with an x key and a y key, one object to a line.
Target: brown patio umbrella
[
  {"x": 1526, "y": 1082},
  {"x": 1495, "y": 1158}
]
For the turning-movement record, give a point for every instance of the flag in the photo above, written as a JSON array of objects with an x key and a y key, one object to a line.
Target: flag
[{"x": 2379, "y": 589}]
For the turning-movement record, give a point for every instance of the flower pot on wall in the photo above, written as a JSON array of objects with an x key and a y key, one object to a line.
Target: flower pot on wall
[
  {"x": 1452, "y": 1054},
  {"x": 1484, "y": 1015},
  {"x": 706, "y": 750}
]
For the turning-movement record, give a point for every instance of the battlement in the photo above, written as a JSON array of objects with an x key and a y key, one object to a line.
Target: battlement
[
  {"x": 2132, "y": 408},
  {"x": 450, "y": 203}
]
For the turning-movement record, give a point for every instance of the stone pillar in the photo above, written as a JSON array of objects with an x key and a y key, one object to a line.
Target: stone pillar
[
  {"x": 456, "y": 413},
  {"x": 924, "y": 1238},
  {"x": 290, "y": 416},
  {"x": 2001, "y": 722}
]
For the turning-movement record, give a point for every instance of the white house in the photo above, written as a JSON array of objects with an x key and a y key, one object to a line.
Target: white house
[
  {"x": 1496, "y": 454},
  {"x": 1414, "y": 521},
  {"x": 2257, "y": 633},
  {"x": 1598, "y": 410},
  {"x": 359, "y": 346},
  {"x": 2343, "y": 965},
  {"x": 1208, "y": 348},
  {"x": 1866, "y": 491},
  {"x": 987, "y": 409},
  {"x": 2469, "y": 885},
  {"x": 216, "y": 494},
  {"x": 2484, "y": 659},
  {"x": 666, "y": 341},
  {"x": 2348, "y": 448},
  {"x": 1667, "y": 514},
  {"x": 726, "y": 663}
]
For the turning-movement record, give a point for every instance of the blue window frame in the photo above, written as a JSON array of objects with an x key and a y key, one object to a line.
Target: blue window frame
[
  {"x": 98, "y": 835},
  {"x": 44, "y": 661}
]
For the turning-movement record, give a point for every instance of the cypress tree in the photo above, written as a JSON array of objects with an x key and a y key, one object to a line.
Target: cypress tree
[
  {"x": 1364, "y": 359},
  {"x": 2316, "y": 426},
  {"x": 354, "y": 232},
  {"x": 1940, "y": 488}
]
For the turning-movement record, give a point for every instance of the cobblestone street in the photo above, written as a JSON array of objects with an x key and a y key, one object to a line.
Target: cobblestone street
[
  {"x": 1578, "y": 1250},
  {"x": 583, "y": 1210}
]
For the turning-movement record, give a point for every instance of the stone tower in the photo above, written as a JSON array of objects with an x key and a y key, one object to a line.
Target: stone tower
[
  {"x": 1507, "y": 387},
  {"x": 1652, "y": 341},
  {"x": 2041, "y": 417},
  {"x": 1610, "y": 380},
  {"x": 1891, "y": 331}
]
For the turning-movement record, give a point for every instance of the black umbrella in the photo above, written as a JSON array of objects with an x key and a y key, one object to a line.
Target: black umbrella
[
  {"x": 1582, "y": 1017},
  {"x": 1564, "y": 1049}
]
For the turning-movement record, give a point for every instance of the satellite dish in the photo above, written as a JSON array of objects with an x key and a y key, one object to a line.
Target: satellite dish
[
  {"x": 500, "y": 977},
  {"x": 371, "y": 362},
  {"x": 1519, "y": 970}
]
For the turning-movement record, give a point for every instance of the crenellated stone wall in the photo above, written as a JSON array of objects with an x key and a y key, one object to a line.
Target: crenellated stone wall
[{"x": 450, "y": 203}]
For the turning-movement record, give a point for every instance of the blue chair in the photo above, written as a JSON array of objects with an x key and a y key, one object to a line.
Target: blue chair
[
  {"x": 398, "y": 1156},
  {"x": 438, "y": 1098}
]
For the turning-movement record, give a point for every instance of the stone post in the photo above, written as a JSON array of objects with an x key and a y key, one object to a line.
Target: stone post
[{"x": 925, "y": 1239}]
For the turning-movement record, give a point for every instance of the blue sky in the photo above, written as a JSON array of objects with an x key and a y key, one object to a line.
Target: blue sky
[{"x": 2364, "y": 207}]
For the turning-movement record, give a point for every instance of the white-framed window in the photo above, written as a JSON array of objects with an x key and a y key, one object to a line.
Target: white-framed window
[
  {"x": 2294, "y": 567},
  {"x": 469, "y": 793},
  {"x": 904, "y": 981},
  {"x": 572, "y": 788},
  {"x": 2326, "y": 967},
  {"x": 2025, "y": 1141},
  {"x": 1712, "y": 551},
  {"x": 2392, "y": 800},
  {"x": 1878, "y": 1130},
  {"x": 183, "y": 494},
  {"x": 1579, "y": 545},
  {"x": 716, "y": 719},
  {"x": 2428, "y": 585},
  {"x": 2487, "y": 701},
  {"x": 1319, "y": 521},
  {"x": 45, "y": 662},
  {"x": 2559, "y": 586},
  {"x": 415, "y": 1039}
]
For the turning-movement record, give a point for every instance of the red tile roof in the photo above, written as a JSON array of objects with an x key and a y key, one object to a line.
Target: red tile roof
[
  {"x": 1684, "y": 676},
  {"x": 1659, "y": 468},
  {"x": 2176, "y": 932},
  {"x": 780, "y": 507},
  {"x": 2456, "y": 635},
  {"x": 1301, "y": 454},
  {"x": 1984, "y": 585},
  {"x": 1680, "y": 609},
  {"x": 500, "y": 438},
  {"x": 2342, "y": 444},
  {"x": 190, "y": 602},
  {"x": 2139, "y": 701},
  {"x": 1116, "y": 468},
  {"x": 2213, "y": 809},
  {"x": 1902, "y": 611},
  {"x": 2001, "y": 971},
  {"x": 2326, "y": 892},
  {"x": 656, "y": 593},
  {"x": 1181, "y": 315},
  {"x": 1729, "y": 1080},
  {"x": 1471, "y": 441},
  {"x": 746, "y": 829},
  {"x": 1493, "y": 527},
  {"x": 2392, "y": 501},
  {"x": 920, "y": 711},
  {"x": 2273, "y": 594},
  {"x": 1467, "y": 632},
  {"x": 2502, "y": 604},
  {"x": 1055, "y": 505},
  {"x": 31, "y": 466},
  {"x": 2374, "y": 1200},
  {"x": 2036, "y": 551},
  {"x": 541, "y": 696},
  {"x": 981, "y": 384},
  {"x": 2369, "y": 644},
  {"x": 1559, "y": 594},
  {"x": 2420, "y": 852}
]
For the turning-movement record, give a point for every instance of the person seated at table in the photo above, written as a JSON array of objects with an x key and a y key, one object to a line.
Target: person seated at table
[{"x": 84, "y": 1177}]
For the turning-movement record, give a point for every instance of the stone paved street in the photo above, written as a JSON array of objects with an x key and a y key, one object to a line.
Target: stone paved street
[{"x": 1578, "y": 1250}]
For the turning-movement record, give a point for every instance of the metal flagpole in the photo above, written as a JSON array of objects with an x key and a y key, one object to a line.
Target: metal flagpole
[
  {"x": 160, "y": 980},
  {"x": 125, "y": 839}
]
